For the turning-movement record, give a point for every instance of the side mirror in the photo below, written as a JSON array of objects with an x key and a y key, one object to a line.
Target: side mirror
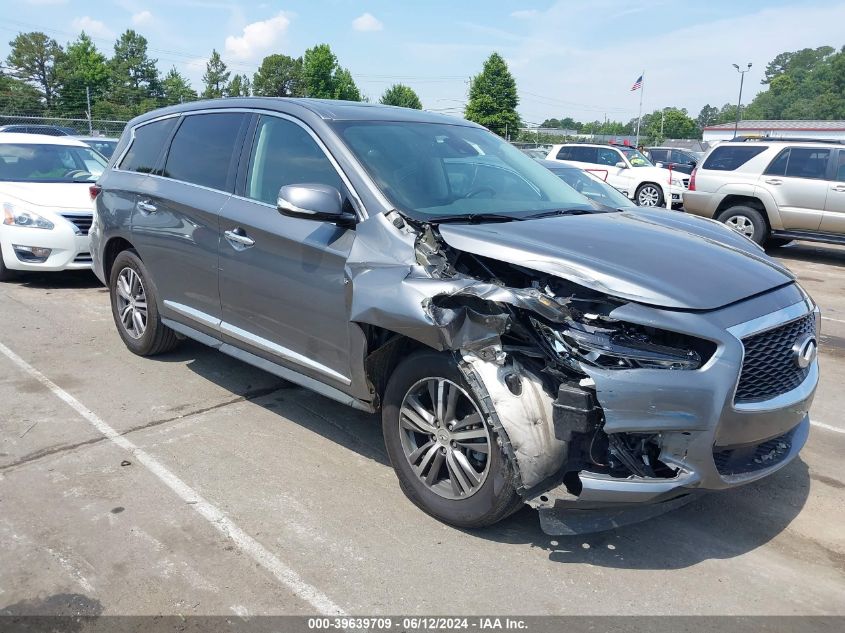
[
  {"x": 658, "y": 164},
  {"x": 621, "y": 165},
  {"x": 312, "y": 202}
]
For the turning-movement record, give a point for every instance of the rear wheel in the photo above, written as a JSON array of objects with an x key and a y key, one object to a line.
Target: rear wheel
[
  {"x": 746, "y": 220},
  {"x": 135, "y": 307},
  {"x": 445, "y": 453},
  {"x": 649, "y": 195}
]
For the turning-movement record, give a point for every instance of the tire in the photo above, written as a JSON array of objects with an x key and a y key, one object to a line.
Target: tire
[
  {"x": 747, "y": 221},
  {"x": 649, "y": 194},
  {"x": 155, "y": 337},
  {"x": 471, "y": 505},
  {"x": 5, "y": 273}
]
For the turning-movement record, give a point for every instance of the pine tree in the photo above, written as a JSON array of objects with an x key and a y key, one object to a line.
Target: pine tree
[
  {"x": 216, "y": 77},
  {"x": 493, "y": 98}
]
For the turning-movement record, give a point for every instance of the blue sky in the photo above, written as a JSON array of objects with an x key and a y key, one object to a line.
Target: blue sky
[{"x": 570, "y": 57}]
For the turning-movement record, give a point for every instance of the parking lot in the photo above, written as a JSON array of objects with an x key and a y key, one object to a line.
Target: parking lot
[{"x": 195, "y": 484}]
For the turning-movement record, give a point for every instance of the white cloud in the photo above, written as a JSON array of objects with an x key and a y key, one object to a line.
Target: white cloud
[
  {"x": 92, "y": 27},
  {"x": 142, "y": 18},
  {"x": 257, "y": 39},
  {"x": 525, "y": 14},
  {"x": 367, "y": 22}
]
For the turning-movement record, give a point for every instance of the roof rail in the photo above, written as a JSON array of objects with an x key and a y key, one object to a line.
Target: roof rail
[{"x": 786, "y": 139}]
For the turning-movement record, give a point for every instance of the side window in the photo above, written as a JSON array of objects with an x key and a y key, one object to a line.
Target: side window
[
  {"x": 807, "y": 162},
  {"x": 778, "y": 166},
  {"x": 203, "y": 148},
  {"x": 608, "y": 157},
  {"x": 565, "y": 153},
  {"x": 585, "y": 154},
  {"x": 839, "y": 175},
  {"x": 285, "y": 154},
  {"x": 147, "y": 146},
  {"x": 730, "y": 157},
  {"x": 658, "y": 155},
  {"x": 680, "y": 158}
]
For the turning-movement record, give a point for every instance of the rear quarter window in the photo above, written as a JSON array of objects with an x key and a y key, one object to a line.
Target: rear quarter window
[
  {"x": 147, "y": 146},
  {"x": 730, "y": 157}
]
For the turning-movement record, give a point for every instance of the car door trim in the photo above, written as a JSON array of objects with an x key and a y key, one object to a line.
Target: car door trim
[{"x": 263, "y": 344}]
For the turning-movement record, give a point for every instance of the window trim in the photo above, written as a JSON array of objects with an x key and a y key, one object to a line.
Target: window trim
[{"x": 119, "y": 159}]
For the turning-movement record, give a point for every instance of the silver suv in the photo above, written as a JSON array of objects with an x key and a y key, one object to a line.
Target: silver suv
[
  {"x": 522, "y": 344},
  {"x": 773, "y": 191}
]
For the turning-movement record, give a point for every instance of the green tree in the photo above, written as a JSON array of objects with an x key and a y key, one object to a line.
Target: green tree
[
  {"x": 81, "y": 68},
  {"x": 671, "y": 123},
  {"x": 18, "y": 97},
  {"x": 216, "y": 77},
  {"x": 34, "y": 58},
  {"x": 176, "y": 88},
  {"x": 240, "y": 86},
  {"x": 324, "y": 78},
  {"x": 278, "y": 76},
  {"x": 402, "y": 96},
  {"x": 493, "y": 98},
  {"x": 707, "y": 116},
  {"x": 134, "y": 83}
]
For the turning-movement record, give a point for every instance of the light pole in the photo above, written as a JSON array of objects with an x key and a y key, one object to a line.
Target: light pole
[{"x": 739, "y": 101}]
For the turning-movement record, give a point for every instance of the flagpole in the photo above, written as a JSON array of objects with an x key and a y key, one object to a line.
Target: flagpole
[{"x": 640, "y": 116}]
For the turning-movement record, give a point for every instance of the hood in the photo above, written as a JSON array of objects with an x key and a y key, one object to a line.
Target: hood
[
  {"x": 660, "y": 260},
  {"x": 54, "y": 195}
]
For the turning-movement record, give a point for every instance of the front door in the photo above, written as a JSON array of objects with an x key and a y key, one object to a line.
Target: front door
[{"x": 282, "y": 284}]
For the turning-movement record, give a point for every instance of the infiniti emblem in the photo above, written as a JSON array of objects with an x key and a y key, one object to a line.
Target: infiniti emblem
[{"x": 804, "y": 350}]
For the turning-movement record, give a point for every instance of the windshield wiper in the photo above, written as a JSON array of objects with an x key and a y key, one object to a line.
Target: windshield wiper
[
  {"x": 473, "y": 218},
  {"x": 554, "y": 212}
]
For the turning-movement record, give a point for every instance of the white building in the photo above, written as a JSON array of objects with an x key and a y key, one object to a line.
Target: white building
[{"x": 785, "y": 129}]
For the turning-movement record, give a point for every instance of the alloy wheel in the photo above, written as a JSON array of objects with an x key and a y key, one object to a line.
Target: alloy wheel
[
  {"x": 444, "y": 438},
  {"x": 131, "y": 303},
  {"x": 741, "y": 224},
  {"x": 648, "y": 196}
]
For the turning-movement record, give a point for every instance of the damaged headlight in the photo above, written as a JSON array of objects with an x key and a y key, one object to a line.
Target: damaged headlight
[{"x": 618, "y": 345}]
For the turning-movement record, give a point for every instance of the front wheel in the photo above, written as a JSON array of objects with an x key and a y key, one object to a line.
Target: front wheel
[
  {"x": 445, "y": 453},
  {"x": 649, "y": 195}
]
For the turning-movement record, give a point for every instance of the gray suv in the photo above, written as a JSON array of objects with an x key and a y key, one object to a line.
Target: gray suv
[{"x": 522, "y": 344}]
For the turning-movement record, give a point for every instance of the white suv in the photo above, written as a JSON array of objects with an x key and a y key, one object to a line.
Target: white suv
[
  {"x": 45, "y": 203},
  {"x": 627, "y": 170},
  {"x": 773, "y": 191}
]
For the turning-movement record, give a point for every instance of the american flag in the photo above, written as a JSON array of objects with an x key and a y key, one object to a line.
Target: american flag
[{"x": 637, "y": 84}]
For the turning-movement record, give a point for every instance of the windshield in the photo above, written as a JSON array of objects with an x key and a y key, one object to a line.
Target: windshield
[
  {"x": 593, "y": 188},
  {"x": 635, "y": 158},
  {"x": 29, "y": 162},
  {"x": 432, "y": 171}
]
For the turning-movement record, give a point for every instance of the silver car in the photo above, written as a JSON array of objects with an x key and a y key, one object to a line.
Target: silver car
[{"x": 521, "y": 344}]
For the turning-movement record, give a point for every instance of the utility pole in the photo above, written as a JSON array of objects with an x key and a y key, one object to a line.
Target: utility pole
[
  {"x": 739, "y": 101},
  {"x": 88, "y": 111},
  {"x": 662, "y": 115}
]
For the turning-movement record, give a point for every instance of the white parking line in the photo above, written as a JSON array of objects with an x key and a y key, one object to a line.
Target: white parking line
[
  {"x": 827, "y": 427},
  {"x": 832, "y": 319},
  {"x": 211, "y": 513}
]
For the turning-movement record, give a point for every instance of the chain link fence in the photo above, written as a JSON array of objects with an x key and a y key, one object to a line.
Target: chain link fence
[{"x": 83, "y": 127}]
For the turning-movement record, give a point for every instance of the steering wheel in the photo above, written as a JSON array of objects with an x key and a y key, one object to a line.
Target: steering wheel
[
  {"x": 478, "y": 190},
  {"x": 73, "y": 173}
]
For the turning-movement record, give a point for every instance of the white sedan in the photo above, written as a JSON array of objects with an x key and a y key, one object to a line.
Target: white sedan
[
  {"x": 47, "y": 209},
  {"x": 627, "y": 170}
]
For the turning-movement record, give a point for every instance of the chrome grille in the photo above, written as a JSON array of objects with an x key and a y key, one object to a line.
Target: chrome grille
[
  {"x": 82, "y": 221},
  {"x": 768, "y": 368},
  {"x": 686, "y": 183}
]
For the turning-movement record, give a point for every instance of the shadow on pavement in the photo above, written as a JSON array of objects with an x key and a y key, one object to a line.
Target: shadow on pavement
[
  {"x": 810, "y": 252},
  {"x": 719, "y": 525},
  {"x": 58, "y": 281}
]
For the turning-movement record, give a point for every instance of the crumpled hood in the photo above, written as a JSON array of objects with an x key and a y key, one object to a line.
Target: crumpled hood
[
  {"x": 660, "y": 258},
  {"x": 55, "y": 195}
]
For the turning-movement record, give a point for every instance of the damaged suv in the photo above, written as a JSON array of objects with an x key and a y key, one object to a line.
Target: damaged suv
[{"x": 522, "y": 344}]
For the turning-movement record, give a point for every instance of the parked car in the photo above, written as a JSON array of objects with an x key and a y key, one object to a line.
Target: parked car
[
  {"x": 47, "y": 208},
  {"x": 534, "y": 152},
  {"x": 673, "y": 158},
  {"x": 773, "y": 191},
  {"x": 28, "y": 128},
  {"x": 522, "y": 345},
  {"x": 589, "y": 185},
  {"x": 627, "y": 170},
  {"x": 100, "y": 143}
]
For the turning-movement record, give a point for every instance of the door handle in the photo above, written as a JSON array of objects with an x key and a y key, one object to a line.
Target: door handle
[
  {"x": 238, "y": 239},
  {"x": 774, "y": 181},
  {"x": 839, "y": 188},
  {"x": 146, "y": 207}
]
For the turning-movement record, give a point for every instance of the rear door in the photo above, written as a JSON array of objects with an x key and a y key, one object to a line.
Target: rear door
[
  {"x": 833, "y": 220},
  {"x": 282, "y": 278},
  {"x": 176, "y": 223},
  {"x": 797, "y": 180}
]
